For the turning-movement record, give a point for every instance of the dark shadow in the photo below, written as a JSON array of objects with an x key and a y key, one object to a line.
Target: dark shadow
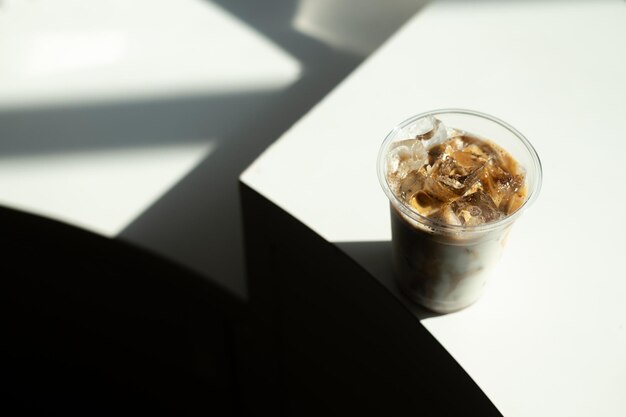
[
  {"x": 334, "y": 339},
  {"x": 126, "y": 124},
  {"x": 376, "y": 258},
  {"x": 198, "y": 222},
  {"x": 121, "y": 325},
  {"x": 93, "y": 326}
]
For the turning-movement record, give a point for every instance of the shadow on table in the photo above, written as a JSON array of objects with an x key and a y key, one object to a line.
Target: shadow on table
[
  {"x": 93, "y": 326},
  {"x": 336, "y": 341},
  {"x": 376, "y": 258},
  {"x": 198, "y": 221},
  {"x": 114, "y": 319}
]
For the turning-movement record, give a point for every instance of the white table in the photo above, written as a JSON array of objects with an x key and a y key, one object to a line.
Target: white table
[{"x": 548, "y": 337}]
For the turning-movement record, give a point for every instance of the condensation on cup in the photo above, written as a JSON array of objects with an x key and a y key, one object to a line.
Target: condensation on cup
[{"x": 456, "y": 180}]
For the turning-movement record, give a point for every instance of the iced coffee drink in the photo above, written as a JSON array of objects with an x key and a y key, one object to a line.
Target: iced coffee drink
[{"x": 456, "y": 181}]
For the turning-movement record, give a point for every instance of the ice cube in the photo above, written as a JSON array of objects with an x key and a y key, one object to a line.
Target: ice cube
[
  {"x": 424, "y": 204},
  {"x": 411, "y": 184},
  {"x": 455, "y": 172},
  {"x": 469, "y": 159},
  {"x": 502, "y": 187},
  {"x": 428, "y": 129},
  {"x": 515, "y": 201},
  {"x": 475, "y": 209},
  {"x": 447, "y": 215},
  {"x": 405, "y": 156}
]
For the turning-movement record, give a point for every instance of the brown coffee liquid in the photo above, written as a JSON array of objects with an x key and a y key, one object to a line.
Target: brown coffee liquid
[{"x": 465, "y": 181}]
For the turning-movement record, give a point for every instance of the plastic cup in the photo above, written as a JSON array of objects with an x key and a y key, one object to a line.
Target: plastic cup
[{"x": 445, "y": 267}]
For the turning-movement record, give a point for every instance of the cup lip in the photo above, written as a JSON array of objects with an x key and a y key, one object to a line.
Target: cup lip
[{"x": 445, "y": 227}]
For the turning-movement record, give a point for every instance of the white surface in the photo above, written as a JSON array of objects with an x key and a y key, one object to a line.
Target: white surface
[
  {"x": 337, "y": 22},
  {"x": 102, "y": 191},
  {"x": 549, "y": 336},
  {"x": 72, "y": 52},
  {"x": 66, "y": 50}
]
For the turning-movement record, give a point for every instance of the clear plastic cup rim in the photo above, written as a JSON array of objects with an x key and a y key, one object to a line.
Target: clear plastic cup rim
[{"x": 405, "y": 209}]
